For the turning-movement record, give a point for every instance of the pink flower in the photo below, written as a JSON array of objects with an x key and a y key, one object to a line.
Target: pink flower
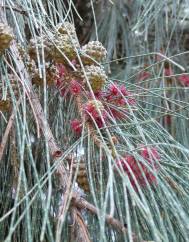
[
  {"x": 98, "y": 94},
  {"x": 143, "y": 75},
  {"x": 61, "y": 69},
  {"x": 184, "y": 79},
  {"x": 117, "y": 114},
  {"x": 74, "y": 87},
  {"x": 99, "y": 122},
  {"x": 121, "y": 101},
  {"x": 135, "y": 168},
  {"x": 167, "y": 119},
  {"x": 113, "y": 90},
  {"x": 61, "y": 72},
  {"x": 168, "y": 71},
  {"x": 58, "y": 83},
  {"x": 92, "y": 111},
  {"x": 123, "y": 90},
  {"x": 62, "y": 91},
  {"x": 149, "y": 153},
  {"x": 131, "y": 101},
  {"x": 76, "y": 125}
]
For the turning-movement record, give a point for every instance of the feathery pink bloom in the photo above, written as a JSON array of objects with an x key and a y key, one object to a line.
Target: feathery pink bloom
[
  {"x": 149, "y": 153},
  {"x": 92, "y": 111},
  {"x": 74, "y": 87},
  {"x": 61, "y": 69},
  {"x": 135, "y": 168},
  {"x": 184, "y": 79},
  {"x": 62, "y": 91},
  {"x": 113, "y": 90},
  {"x": 121, "y": 101},
  {"x": 98, "y": 94},
  {"x": 61, "y": 72},
  {"x": 168, "y": 71},
  {"x": 123, "y": 90},
  {"x": 76, "y": 125},
  {"x": 58, "y": 83},
  {"x": 167, "y": 119}
]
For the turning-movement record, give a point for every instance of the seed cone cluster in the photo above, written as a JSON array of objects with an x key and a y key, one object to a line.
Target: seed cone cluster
[
  {"x": 66, "y": 28},
  {"x": 82, "y": 178},
  {"x": 51, "y": 76},
  {"x": 62, "y": 47},
  {"x": 74, "y": 70},
  {"x": 93, "y": 51},
  {"x": 5, "y": 105},
  {"x": 96, "y": 76},
  {"x": 37, "y": 46},
  {"x": 5, "y": 95},
  {"x": 6, "y": 36}
]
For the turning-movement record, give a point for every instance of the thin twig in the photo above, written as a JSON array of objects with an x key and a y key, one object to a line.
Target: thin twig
[
  {"x": 16, "y": 9},
  {"x": 63, "y": 206},
  {"x": 83, "y": 204},
  {"x": 7, "y": 131}
]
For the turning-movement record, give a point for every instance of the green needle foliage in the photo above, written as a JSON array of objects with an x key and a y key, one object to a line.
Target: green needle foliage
[{"x": 94, "y": 121}]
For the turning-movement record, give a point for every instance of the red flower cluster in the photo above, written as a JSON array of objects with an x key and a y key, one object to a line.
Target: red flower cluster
[
  {"x": 74, "y": 87},
  {"x": 76, "y": 125},
  {"x": 113, "y": 101},
  {"x": 119, "y": 97},
  {"x": 91, "y": 111},
  {"x": 167, "y": 119},
  {"x": 61, "y": 72},
  {"x": 138, "y": 169},
  {"x": 168, "y": 71},
  {"x": 149, "y": 154},
  {"x": 64, "y": 85},
  {"x": 184, "y": 79},
  {"x": 59, "y": 81}
]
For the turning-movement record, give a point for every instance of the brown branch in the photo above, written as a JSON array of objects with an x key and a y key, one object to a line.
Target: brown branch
[
  {"x": 6, "y": 135},
  {"x": 7, "y": 131},
  {"x": 16, "y": 9},
  {"x": 63, "y": 206},
  {"x": 81, "y": 233},
  {"x": 83, "y": 204},
  {"x": 35, "y": 103}
]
